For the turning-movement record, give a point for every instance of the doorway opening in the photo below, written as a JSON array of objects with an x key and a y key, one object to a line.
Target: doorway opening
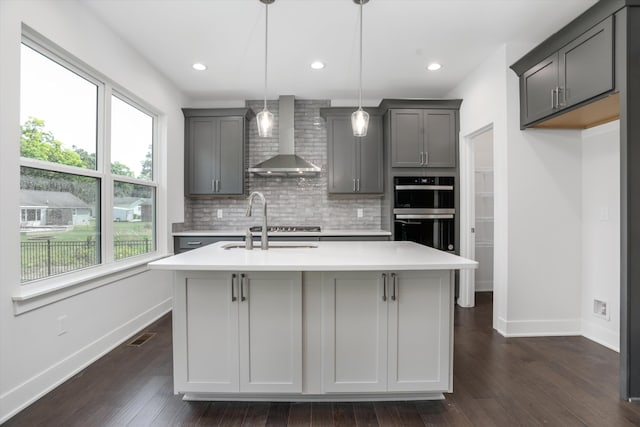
[
  {"x": 477, "y": 213},
  {"x": 482, "y": 145}
]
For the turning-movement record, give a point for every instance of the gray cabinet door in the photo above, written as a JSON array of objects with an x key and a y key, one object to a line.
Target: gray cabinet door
[
  {"x": 202, "y": 152},
  {"x": 440, "y": 146},
  {"x": 369, "y": 153},
  {"x": 231, "y": 159},
  {"x": 407, "y": 139},
  {"x": 586, "y": 65},
  {"x": 538, "y": 85},
  {"x": 215, "y": 155},
  {"x": 341, "y": 155}
]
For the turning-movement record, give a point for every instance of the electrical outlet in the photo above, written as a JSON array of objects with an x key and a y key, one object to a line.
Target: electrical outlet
[
  {"x": 219, "y": 213},
  {"x": 604, "y": 213},
  {"x": 360, "y": 212},
  {"x": 62, "y": 325},
  {"x": 600, "y": 309}
]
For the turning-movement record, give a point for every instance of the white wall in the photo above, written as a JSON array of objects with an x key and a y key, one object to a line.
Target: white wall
[
  {"x": 537, "y": 205},
  {"x": 33, "y": 358},
  {"x": 601, "y": 232},
  {"x": 484, "y": 105}
]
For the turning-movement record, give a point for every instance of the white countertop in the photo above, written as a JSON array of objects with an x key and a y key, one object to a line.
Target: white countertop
[
  {"x": 284, "y": 233},
  {"x": 324, "y": 256}
]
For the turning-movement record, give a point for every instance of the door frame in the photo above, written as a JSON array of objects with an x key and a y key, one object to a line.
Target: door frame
[{"x": 466, "y": 297}]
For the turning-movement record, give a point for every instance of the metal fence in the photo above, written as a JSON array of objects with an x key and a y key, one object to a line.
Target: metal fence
[{"x": 44, "y": 258}]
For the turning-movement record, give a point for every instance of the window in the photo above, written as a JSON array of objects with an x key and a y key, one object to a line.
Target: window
[{"x": 87, "y": 182}]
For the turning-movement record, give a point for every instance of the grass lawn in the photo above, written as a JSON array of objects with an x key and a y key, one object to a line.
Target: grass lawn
[{"x": 137, "y": 230}]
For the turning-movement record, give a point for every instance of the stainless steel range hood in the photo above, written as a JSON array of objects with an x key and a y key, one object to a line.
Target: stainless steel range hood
[{"x": 285, "y": 164}]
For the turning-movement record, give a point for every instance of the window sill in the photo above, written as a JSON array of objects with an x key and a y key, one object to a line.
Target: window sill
[{"x": 47, "y": 291}]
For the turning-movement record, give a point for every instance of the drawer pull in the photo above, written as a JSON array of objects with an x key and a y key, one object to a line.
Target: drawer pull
[
  {"x": 233, "y": 283},
  {"x": 384, "y": 286},
  {"x": 194, "y": 243}
]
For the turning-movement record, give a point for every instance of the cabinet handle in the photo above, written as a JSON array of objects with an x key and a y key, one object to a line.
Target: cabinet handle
[
  {"x": 384, "y": 286},
  {"x": 393, "y": 279},
  {"x": 354, "y": 185},
  {"x": 217, "y": 185},
  {"x": 242, "y": 297},
  {"x": 194, "y": 243},
  {"x": 358, "y": 186},
  {"x": 426, "y": 158},
  {"x": 553, "y": 100},
  {"x": 233, "y": 292},
  {"x": 213, "y": 185},
  {"x": 421, "y": 158}
]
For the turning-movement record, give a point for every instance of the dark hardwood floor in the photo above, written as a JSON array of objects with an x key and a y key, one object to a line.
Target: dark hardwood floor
[{"x": 558, "y": 381}]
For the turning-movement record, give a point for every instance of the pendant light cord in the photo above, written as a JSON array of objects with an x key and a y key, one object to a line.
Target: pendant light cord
[
  {"x": 360, "y": 90},
  {"x": 266, "y": 47}
]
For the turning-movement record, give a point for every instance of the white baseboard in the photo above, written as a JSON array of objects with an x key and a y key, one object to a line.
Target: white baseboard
[
  {"x": 539, "y": 328},
  {"x": 23, "y": 395},
  {"x": 602, "y": 336}
]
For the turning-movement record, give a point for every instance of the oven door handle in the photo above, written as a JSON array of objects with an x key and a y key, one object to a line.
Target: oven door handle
[
  {"x": 424, "y": 187},
  {"x": 424, "y": 216},
  {"x": 401, "y": 221}
]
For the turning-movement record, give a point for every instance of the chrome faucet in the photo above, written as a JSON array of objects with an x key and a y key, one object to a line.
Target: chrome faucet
[{"x": 264, "y": 244}]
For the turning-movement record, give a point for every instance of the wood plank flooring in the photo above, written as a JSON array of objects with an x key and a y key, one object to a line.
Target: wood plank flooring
[{"x": 557, "y": 381}]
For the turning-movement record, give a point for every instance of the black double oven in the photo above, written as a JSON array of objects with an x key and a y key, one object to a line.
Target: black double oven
[{"x": 424, "y": 211}]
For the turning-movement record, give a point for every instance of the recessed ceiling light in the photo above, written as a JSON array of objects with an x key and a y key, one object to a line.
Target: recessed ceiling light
[
  {"x": 317, "y": 65},
  {"x": 198, "y": 66},
  {"x": 434, "y": 66}
]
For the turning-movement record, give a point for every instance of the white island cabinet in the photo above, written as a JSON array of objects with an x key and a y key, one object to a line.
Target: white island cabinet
[
  {"x": 238, "y": 332},
  {"x": 323, "y": 321},
  {"x": 386, "y": 332}
]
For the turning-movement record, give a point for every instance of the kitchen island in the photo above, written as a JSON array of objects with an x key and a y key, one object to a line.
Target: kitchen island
[{"x": 313, "y": 321}]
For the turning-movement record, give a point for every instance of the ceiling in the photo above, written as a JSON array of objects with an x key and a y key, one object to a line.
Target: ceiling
[{"x": 400, "y": 38}]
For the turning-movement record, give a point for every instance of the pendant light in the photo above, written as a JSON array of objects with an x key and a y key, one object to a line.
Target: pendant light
[
  {"x": 265, "y": 117},
  {"x": 360, "y": 118}
]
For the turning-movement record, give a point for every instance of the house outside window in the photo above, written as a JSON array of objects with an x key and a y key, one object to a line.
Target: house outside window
[{"x": 86, "y": 147}]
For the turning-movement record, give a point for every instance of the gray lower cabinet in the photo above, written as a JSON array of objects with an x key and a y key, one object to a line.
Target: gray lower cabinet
[
  {"x": 354, "y": 163},
  {"x": 423, "y": 138},
  {"x": 581, "y": 70},
  {"x": 214, "y": 151},
  {"x": 186, "y": 243}
]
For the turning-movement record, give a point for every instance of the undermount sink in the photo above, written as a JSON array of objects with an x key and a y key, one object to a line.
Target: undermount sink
[{"x": 274, "y": 245}]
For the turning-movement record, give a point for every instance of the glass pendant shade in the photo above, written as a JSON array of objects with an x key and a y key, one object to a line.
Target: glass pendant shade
[
  {"x": 265, "y": 123},
  {"x": 359, "y": 122}
]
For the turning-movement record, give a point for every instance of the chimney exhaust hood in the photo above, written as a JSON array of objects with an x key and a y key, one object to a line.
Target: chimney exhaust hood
[{"x": 285, "y": 164}]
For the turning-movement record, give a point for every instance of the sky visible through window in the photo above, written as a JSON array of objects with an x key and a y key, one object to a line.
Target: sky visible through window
[{"x": 68, "y": 105}]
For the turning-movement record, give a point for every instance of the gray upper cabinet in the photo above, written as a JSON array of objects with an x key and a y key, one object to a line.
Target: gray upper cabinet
[
  {"x": 586, "y": 65},
  {"x": 423, "y": 138},
  {"x": 354, "y": 163},
  {"x": 578, "y": 72},
  {"x": 539, "y": 83},
  {"x": 214, "y": 151}
]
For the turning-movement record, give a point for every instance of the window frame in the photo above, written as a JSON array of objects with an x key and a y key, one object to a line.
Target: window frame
[{"x": 109, "y": 269}]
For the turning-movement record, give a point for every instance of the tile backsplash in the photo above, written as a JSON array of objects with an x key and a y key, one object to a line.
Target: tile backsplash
[{"x": 291, "y": 201}]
